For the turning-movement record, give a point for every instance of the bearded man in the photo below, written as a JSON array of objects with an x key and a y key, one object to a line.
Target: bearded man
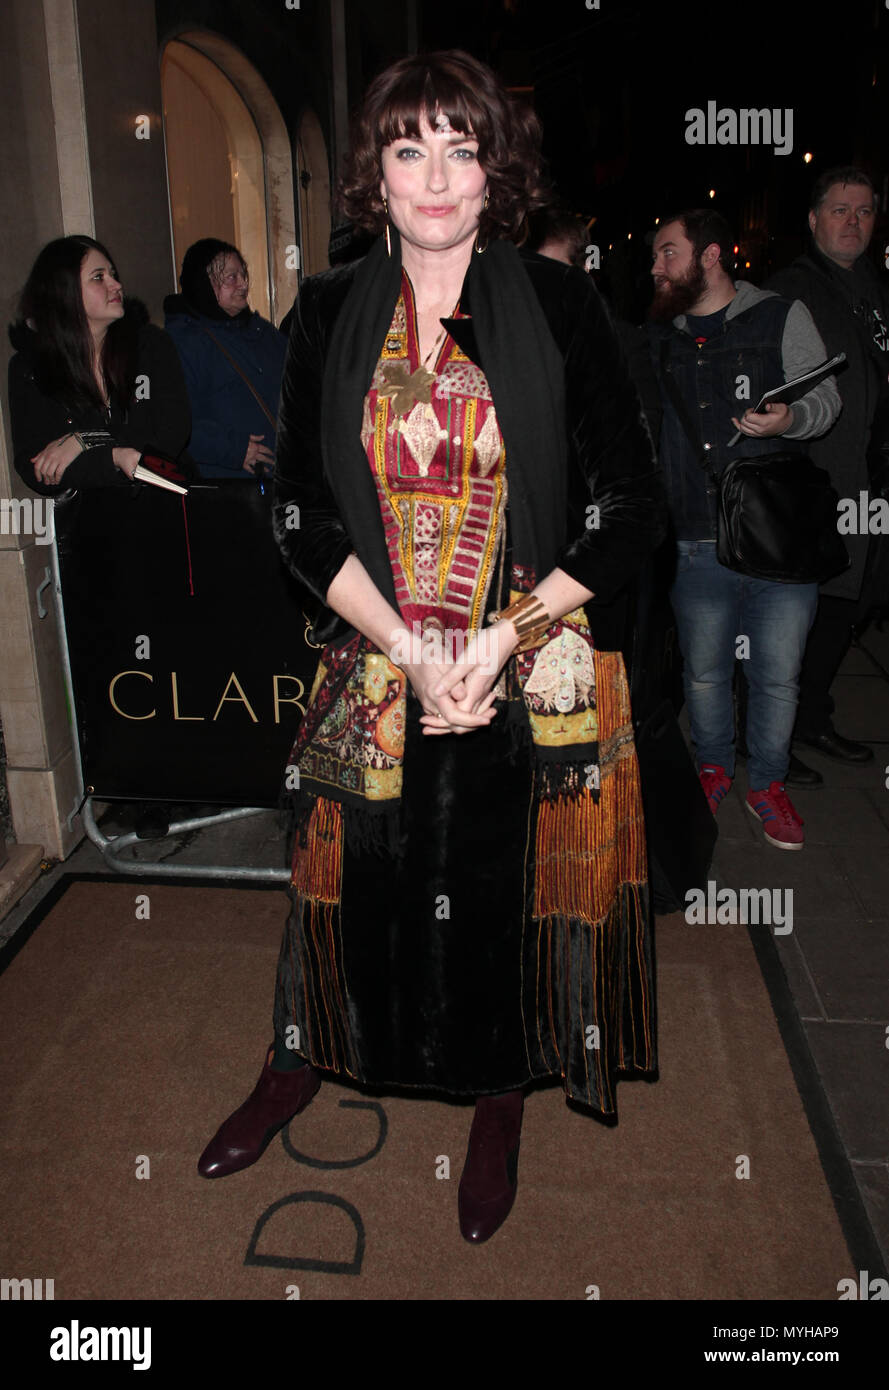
[{"x": 717, "y": 343}]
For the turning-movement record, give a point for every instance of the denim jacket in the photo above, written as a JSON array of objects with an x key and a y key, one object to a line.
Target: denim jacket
[{"x": 720, "y": 379}]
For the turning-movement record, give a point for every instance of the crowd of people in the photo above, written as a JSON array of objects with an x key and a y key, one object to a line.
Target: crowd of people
[
  {"x": 711, "y": 343},
  {"x": 716, "y": 342},
  {"x": 94, "y": 385},
  {"x": 476, "y": 445}
]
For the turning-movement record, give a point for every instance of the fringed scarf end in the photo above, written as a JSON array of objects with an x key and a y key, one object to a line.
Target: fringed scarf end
[{"x": 569, "y": 779}]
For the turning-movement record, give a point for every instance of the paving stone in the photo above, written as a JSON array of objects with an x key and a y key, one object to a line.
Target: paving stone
[
  {"x": 873, "y": 1183},
  {"x": 868, "y": 876},
  {"x": 799, "y": 978},
  {"x": 879, "y": 799},
  {"x": 844, "y": 817},
  {"x": 851, "y": 1059},
  {"x": 848, "y": 962},
  {"x": 819, "y": 877}
]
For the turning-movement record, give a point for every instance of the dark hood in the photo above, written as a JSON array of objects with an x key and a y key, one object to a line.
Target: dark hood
[
  {"x": 194, "y": 281},
  {"x": 176, "y": 305}
]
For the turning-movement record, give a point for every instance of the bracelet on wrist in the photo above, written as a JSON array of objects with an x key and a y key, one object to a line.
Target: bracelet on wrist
[{"x": 529, "y": 618}]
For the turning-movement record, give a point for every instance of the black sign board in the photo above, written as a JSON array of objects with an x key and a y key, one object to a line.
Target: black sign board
[{"x": 188, "y": 644}]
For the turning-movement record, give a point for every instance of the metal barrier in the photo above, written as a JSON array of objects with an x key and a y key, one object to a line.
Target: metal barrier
[{"x": 141, "y": 868}]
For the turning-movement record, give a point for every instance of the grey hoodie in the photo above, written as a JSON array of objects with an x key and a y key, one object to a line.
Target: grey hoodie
[{"x": 802, "y": 349}]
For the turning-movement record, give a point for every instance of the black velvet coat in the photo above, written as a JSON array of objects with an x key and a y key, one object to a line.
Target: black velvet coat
[
  {"x": 385, "y": 986},
  {"x": 611, "y": 461}
]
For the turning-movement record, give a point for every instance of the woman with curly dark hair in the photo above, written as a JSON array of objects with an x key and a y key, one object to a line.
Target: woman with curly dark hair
[
  {"x": 462, "y": 469},
  {"x": 79, "y": 419}
]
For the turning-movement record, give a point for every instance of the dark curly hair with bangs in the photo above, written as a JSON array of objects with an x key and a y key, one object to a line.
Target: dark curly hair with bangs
[{"x": 473, "y": 99}]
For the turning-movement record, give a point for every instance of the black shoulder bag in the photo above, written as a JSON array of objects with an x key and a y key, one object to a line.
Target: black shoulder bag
[{"x": 776, "y": 515}]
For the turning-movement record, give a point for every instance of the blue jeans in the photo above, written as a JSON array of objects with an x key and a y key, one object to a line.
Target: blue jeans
[{"x": 723, "y": 617}]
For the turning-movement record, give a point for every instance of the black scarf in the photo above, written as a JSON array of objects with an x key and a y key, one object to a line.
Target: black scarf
[{"x": 525, "y": 372}]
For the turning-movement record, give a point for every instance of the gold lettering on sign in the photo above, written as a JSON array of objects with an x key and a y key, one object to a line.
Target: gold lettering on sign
[
  {"x": 287, "y": 699},
  {"x": 240, "y": 698},
  {"x": 176, "y": 715},
  {"x": 146, "y": 675},
  {"x": 233, "y": 694}
]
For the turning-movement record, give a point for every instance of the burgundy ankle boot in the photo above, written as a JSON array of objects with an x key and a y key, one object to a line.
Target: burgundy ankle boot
[
  {"x": 490, "y": 1174},
  {"x": 245, "y": 1135}
]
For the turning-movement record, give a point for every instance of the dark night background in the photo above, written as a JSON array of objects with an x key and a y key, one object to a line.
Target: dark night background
[{"x": 612, "y": 87}]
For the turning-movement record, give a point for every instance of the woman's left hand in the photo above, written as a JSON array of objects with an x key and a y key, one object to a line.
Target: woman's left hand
[
  {"x": 470, "y": 681},
  {"x": 51, "y": 462}
]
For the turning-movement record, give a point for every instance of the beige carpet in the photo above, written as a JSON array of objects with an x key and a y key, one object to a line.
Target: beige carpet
[{"x": 125, "y": 1039}]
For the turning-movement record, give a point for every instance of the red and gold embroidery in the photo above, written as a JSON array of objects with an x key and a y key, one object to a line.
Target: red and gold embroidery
[{"x": 441, "y": 479}]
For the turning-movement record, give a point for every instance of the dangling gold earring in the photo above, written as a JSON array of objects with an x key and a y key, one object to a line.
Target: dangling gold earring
[
  {"x": 479, "y": 248},
  {"x": 388, "y": 239}
]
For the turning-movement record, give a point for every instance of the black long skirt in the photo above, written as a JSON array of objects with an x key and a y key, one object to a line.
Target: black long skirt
[{"x": 427, "y": 968}]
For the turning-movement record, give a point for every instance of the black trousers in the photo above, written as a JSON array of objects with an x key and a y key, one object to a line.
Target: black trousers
[{"x": 830, "y": 638}]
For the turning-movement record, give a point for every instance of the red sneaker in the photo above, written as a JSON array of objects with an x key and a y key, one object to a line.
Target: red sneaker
[
  {"x": 781, "y": 824},
  {"x": 716, "y": 782}
]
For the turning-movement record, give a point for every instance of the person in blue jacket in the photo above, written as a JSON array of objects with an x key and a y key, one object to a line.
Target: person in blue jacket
[{"x": 233, "y": 360}]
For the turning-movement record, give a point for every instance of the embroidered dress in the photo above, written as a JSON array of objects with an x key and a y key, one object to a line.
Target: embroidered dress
[{"x": 469, "y": 913}]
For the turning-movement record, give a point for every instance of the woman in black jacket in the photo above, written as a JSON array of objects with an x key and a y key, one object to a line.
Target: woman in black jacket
[
  {"x": 464, "y": 482},
  {"x": 93, "y": 384}
]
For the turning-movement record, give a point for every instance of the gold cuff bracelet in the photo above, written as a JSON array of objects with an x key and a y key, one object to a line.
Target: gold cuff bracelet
[{"x": 529, "y": 618}]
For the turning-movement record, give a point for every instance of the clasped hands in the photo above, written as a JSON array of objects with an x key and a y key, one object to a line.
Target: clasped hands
[{"x": 457, "y": 692}]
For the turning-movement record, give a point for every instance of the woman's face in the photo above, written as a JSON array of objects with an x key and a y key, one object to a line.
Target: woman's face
[
  {"x": 231, "y": 284},
  {"x": 435, "y": 186},
  {"x": 101, "y": 291}
]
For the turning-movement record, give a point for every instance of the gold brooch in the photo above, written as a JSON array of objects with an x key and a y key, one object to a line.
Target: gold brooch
[{"x": 404, "y": 388}]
